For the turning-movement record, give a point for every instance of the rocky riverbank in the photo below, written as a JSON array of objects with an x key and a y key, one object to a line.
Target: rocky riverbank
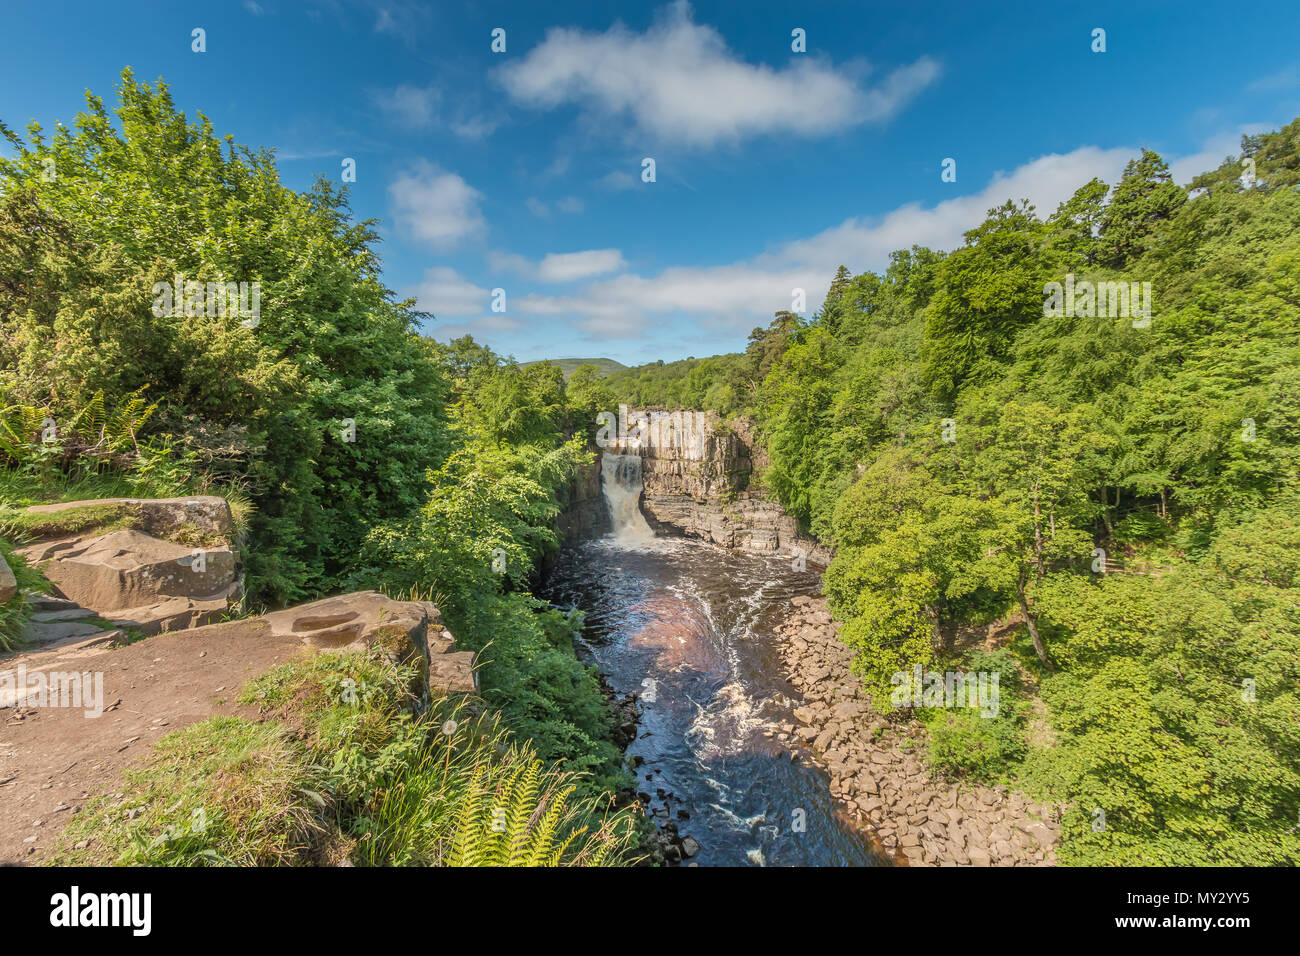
[{"x": 877, "y": 772}]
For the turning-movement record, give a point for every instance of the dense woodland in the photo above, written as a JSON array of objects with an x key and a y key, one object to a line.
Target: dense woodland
[
  {"x": 1124, "y": 493},
  {"x": 970, "y": 459}
]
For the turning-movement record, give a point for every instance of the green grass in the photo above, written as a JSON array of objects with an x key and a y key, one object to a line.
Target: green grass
[
  {"x": 222, "y": 791},
  {"x": 342, "y": 766},
  {"x": 20, "y": 488},
  {"x": 19, "y": 524}
]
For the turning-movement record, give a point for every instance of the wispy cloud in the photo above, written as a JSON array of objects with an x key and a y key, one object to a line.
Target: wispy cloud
[
  {"x": 445, "y": 292},
  {"x": 1287, "y": 78},
  {"x": 410, "y": 106},
  {"x": 557, "y": 268},
  {"x": 570, "y": 205},
  {"x": 1213, "y": 151},
  {"x": 418, "y": 108},
  {"x": 743, "y": 294}
]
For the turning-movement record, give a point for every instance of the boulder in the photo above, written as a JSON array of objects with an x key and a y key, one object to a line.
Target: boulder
[
  {"x": 161, "y": 516},
  {"x": 410, "y": 631},
  {"x": 129, "y": 569}
]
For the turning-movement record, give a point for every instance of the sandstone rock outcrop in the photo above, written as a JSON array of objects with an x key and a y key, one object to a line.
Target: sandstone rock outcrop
[
  {"x": 367, "y": 618},
  {"x": 57, "y": 755},
  {"x": 131, "y": 569},
  {"x": 159, "y": 516},
  {"x": 583, "y": 513},
  {"x": 133, "y": 577}
]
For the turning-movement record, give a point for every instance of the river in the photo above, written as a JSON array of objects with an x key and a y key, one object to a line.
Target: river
[{"x": 688, "y": 627}]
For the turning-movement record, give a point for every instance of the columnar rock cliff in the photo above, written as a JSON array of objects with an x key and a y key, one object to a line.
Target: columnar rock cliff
[
  {"x": 696, "y": 471},
  {"x": 584, "y": 513}
]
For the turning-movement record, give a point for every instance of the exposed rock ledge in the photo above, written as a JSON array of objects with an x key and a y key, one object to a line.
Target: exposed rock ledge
[
  {"x": 54, "y": 758},
  {"x": 877, "y": 775},
  {"x": 137, "y": 576}
]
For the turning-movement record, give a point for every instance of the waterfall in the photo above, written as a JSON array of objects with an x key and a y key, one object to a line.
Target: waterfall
[{"x": 620, "y": 482}]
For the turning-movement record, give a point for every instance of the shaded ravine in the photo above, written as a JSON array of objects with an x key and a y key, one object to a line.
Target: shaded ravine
[{"x": 688, "y": 627}]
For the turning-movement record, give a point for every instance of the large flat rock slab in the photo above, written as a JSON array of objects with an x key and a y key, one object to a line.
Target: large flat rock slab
[
  {"x": 174, "y": 614},
  {"x": 363, "y": 618},
  {"x": 53, "y": 759}
]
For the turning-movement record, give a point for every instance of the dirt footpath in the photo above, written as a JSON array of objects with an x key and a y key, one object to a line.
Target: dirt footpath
[{"x": 53, "y": 758}]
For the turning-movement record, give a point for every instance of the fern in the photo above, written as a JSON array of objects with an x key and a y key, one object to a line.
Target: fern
[{"x": 520, "y": 813}]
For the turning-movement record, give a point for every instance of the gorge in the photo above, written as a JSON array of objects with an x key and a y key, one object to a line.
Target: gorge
[
  {"x": 755, "y": 743},
  {"x": 686, "y": 626}
]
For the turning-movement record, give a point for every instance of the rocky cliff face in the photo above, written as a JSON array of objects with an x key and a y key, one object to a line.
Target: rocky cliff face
[
  {"x": 584, "y": 514},
  {"x": 696, "y": 471}
]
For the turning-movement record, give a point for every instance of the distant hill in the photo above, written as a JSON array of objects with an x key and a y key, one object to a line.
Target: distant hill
[{"x": 567, "y": 365}]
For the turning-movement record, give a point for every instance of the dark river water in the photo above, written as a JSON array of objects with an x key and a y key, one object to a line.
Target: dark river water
[{"x": 688, "y": 626}]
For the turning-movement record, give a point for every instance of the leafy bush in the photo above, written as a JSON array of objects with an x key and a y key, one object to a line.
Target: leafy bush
[
  {"x": 158, "y": 196},
  {"x": 964, "y": 742}
]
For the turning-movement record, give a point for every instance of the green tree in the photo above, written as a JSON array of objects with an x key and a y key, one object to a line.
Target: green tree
[
  {"x": 156, "y": 195},
  {"x": 1037, "y": 464},
  {"x": 1145, "y": 197},
  {"x": 985, "y": 292}
]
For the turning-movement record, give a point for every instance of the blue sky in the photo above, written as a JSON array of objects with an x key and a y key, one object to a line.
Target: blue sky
[{"x": 522, "y": 170}]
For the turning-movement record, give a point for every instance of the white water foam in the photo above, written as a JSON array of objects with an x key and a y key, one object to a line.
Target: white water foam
[
  {"x": 620, "y": 482},
  {"x": 728, "y": 724}
]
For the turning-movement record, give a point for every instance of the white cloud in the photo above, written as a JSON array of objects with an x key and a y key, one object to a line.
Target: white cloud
[
  {"x": 405, "y": 19},
  {"x": 561, "y": 267},
  {"x": 473, "y": 127},
  {"x": 680, "y": 82},
  {"x": 436, "y": 206},
  {"x": 1213, "y": 152},
  {"x": 865, "y": 242},
  {"x": 417, "y": 108},
  {"x": 445, "y": 292},
  {"x": 570, "y": 266},
  {"x": 737, "y": 296},
  {"x": 410, "y": 106},
  {"x": 743, "y": 294},
  {"x": 483, "y": 324},
  {"x": 619, "y": 180},
  {"x": 1287, "y": 78}
]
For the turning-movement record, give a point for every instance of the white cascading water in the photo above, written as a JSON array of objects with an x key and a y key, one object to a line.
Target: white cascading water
[{"x": 620, "y": 482}]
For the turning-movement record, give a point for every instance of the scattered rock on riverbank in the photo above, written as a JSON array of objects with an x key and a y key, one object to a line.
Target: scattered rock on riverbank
[{"x": 878, "y": 775}]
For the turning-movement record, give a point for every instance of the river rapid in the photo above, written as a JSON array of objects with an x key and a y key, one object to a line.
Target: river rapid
[{"x": 688, "y": 627}]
